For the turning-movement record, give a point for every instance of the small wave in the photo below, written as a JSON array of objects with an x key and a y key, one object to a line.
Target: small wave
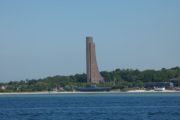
[
  {"x": 1, "y": 113},
  {"x": 38, "y": 114},
  {"x": 24, "y": 114},
  {"x": 176, "y": 113},
  {"x": 155, "y": 113}
]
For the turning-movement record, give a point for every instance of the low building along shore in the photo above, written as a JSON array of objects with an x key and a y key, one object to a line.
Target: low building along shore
[{"x": 159, "y": 84}]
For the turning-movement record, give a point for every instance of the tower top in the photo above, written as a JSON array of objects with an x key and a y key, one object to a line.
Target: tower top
[{"x": 89, "y": 39}]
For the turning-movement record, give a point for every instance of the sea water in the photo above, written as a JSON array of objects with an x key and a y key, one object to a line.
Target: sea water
[{"x": 91, "y": 106}]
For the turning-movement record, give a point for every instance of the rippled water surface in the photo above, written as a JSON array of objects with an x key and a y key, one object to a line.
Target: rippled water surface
[{"x": 89, "y": 106}]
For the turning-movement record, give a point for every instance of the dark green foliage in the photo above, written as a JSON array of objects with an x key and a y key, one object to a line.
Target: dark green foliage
[
  {"x": 118, "y": 79},
  {"x": 149, "y": 88},
  {"x": 106, "y": 76}
]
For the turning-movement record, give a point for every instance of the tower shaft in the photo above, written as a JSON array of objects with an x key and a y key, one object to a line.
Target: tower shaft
[{"x": 93, "y": 74}]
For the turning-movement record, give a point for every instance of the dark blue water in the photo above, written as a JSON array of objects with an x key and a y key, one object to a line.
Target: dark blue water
[{"x": 100, "y": 106}]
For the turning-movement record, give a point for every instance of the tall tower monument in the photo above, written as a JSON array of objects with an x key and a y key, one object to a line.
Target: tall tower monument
[{"x": 93, "y": 74}]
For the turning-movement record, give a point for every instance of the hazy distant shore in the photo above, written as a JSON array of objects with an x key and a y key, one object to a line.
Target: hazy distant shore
[{"x": 131, "y": 91}]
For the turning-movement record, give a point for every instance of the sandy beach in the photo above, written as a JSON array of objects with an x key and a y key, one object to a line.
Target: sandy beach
[{"x": 152, "y": 91}]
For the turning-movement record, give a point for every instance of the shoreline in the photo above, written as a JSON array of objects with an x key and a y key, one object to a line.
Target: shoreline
[{"x": 130, "y": 91}]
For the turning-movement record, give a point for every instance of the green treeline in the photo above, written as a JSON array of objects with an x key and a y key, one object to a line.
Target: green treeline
[{"x": 118, "y": 79}]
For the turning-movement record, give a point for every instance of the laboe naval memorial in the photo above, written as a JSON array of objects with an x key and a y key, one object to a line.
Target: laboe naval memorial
[{"x": 93, "y": 74}]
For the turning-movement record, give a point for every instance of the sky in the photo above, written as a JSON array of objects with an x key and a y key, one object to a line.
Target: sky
[{"x": 41, "y": 38}]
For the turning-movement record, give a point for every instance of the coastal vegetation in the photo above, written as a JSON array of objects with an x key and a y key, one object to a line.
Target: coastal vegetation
[{"x": 117, "y": 79}]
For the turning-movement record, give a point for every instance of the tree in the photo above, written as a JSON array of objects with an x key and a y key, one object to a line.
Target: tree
[
  {"x": 140, "y": 83},
  {"x": 118, "y": 78},
  {"x": 106, "y": 76},
  {"x": 27, "y": 81},
  {"x": 80, "y": 77},
  {"x": 41, "y": 86},
  {"x": 23, "y": 89},
  {"x": 22, "y": 82},
  {"x": 117, "y": 70}
]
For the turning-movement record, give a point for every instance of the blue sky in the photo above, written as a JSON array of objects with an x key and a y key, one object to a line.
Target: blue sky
[{"x": 41, "y": 38}]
